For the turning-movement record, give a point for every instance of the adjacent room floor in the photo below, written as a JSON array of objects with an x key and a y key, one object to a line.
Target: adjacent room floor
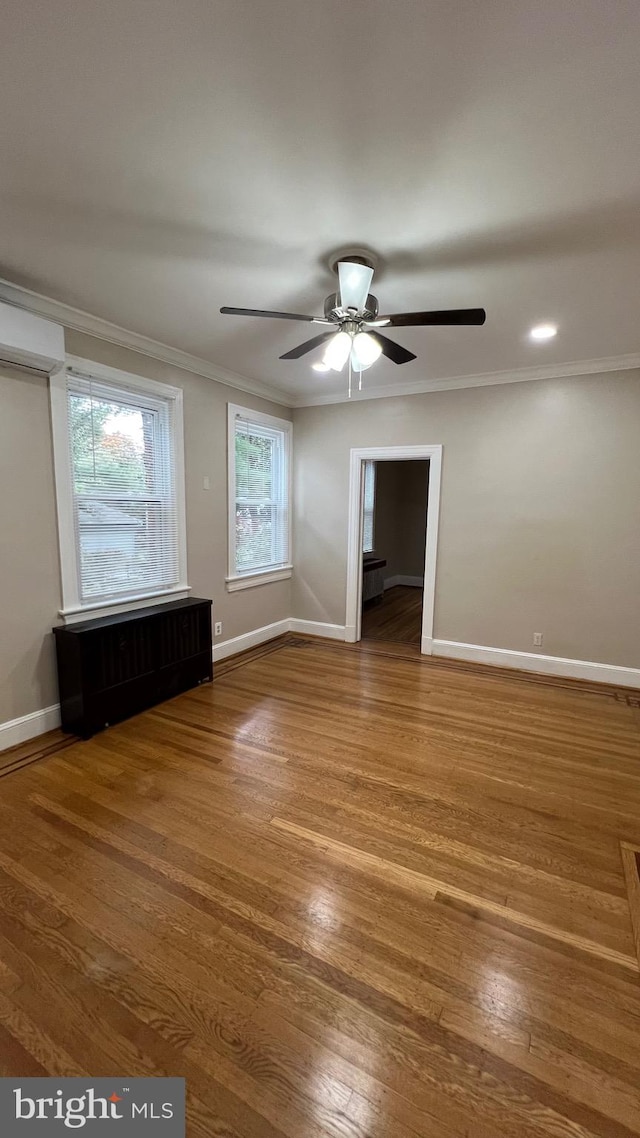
[
  {"x": 343, "y": 893},
  {"x": 397, "y": 616}
]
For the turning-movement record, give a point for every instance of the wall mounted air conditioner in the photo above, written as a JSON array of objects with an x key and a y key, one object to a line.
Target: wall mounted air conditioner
[{"x": 28, "y": 341}]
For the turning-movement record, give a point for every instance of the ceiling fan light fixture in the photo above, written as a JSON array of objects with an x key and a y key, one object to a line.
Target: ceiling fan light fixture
[
  {"x": 321, "y": 366},
  {"x": 356, "y": 364},
  {"x": 355, "y": 281},
  {"x": 543, "y": 332},
  {"x": 366, "y": 350},
  {"x": 337, "y": 351}
]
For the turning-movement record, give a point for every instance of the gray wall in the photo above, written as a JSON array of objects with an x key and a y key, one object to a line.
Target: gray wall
[
  {"x": 29, "y": 564},
  {"x": 400, "y": 516},
  {"x": 539, "y": 524},
  {"x": 540, "y": 510}
]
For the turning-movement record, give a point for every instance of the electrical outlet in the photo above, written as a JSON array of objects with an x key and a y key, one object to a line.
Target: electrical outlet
[
  {"x": 206, "y": 484},
  {"x": 217, "y": 628},
  {"x": 537, "y": 640}
]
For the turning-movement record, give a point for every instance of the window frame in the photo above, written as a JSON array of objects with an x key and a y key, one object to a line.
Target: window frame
[
  {"x": 73, "y": 608},
  {"x": 264, "y": 575}
]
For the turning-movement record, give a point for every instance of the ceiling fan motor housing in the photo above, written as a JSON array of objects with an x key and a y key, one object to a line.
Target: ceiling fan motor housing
[{"x": 333, "y": 311}]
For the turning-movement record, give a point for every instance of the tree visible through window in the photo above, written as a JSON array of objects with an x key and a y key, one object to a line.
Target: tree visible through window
[
  {"x": 123, "y": 492},
  {"x": 261, "y": 496}
]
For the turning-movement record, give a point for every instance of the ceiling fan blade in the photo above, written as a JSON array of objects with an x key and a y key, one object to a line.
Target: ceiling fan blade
[
  {"x": 308, "y": 346},
  {"x": 355, "y": 281},
  {"x": 265, "y": 312},
  {"x": 448, "y": 316},
  {"x": 393, "y": 351}
]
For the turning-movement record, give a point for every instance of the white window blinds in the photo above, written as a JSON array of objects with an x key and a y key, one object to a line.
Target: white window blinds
[
  {"x": 123, "y": 478},
  {"x": 261, "y": 494},
  {"x": 369, "y": 506}
]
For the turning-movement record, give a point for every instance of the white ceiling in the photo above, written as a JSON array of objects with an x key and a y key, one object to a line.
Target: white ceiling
[{"x": 163, "y": 158}]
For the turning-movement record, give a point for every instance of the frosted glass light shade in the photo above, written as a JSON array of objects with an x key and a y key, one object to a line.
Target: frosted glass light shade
[
  {"x": 366, "y": 350},
  {"x": 356, "y": 364},
  {"x": 337, "y": 351},
  {"x": 355, "y": 281}
]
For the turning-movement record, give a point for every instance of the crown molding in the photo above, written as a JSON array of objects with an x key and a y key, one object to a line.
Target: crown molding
[
  {"x": 483, "y": 379},
  {"x": 86, "y": 322},
  {"x": 81, "y": 321}
]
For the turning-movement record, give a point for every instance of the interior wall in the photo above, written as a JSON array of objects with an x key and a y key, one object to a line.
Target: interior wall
[
  {"x": 385, "y": 519},
  {"x": 400, "y": 516},
  {"x": 30, "y": 595},
  {"x": 539, "y": 518},
  {"x": 29, "y": 570},
  {"x": 539, "y": 524}
]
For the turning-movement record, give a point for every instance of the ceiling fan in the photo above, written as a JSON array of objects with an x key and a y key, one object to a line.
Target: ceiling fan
[{"x": 351, "y": 313}]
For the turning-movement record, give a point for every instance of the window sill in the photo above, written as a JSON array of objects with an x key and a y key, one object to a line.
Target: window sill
[
  {"x": 261, "y": 577},
  {"x": 112, "y": 608}
]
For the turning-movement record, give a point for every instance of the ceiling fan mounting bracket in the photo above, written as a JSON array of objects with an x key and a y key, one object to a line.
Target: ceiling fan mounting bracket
[{"x": 357, "y": 254}]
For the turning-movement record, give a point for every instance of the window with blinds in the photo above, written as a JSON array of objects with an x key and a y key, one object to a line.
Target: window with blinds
[
  {"x": 369, "y": 505},
  {"x": 122, "y": 481},
  {"x": 259, "y": 506}
]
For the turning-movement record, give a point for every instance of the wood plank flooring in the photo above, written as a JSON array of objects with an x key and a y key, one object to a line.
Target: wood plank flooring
[
  {"x": 396, "y": 617},
  {"x": 631, "y": 863},
  {"x": 23, "y": 754},
  {"x": 346, "y": 894}
]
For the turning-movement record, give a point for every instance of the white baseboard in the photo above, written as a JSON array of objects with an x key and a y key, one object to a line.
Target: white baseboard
[
  {"x": 318, "y": 628},
  {"x": 249, "y": 639},
  {"x": 28, "y": 726},
  {"x": 404, "y": 579},
  {"x": 269, "y": 631},
  {"x": 548, "y": 665},
  {"x": 223, "y": 649}
]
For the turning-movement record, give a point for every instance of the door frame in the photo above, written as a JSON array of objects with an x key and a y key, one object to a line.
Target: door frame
[{"x": 360, "y": 455}]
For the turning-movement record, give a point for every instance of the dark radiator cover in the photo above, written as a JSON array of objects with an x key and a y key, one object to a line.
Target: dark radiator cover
[{"x": 115, "y": 666}]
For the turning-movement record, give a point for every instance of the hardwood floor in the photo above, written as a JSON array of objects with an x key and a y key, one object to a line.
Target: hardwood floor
[
  {"x": 631, "y": 863},
  {"x": 397, "y": 617},
  {"x": 344, "y": 893},
  {"x": 34, "y": 749}
]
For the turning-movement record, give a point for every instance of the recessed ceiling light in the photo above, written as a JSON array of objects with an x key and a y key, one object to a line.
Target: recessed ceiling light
[
  {"x": 320, "y": 366},
  {"x": 543, "y": 332}
]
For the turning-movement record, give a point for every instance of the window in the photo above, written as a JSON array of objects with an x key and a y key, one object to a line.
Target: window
[
  {"x": 369, "y": 506},
  {"x": 259, "y": 498},
  {"x": 120, "y": 487}
]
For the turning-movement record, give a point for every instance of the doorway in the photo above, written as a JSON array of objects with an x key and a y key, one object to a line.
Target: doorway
[
  {"x": 393, "y": 549},
  {"x": 392, "y": 552}
]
